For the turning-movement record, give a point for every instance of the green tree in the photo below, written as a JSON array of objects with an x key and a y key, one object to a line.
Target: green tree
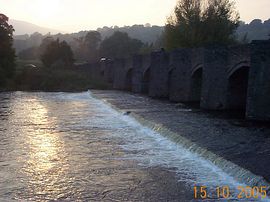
[
  {"x": 119, "y": 45},
  {"x": 221, "y": 22},
  {"x": 55, "y": 51},
  {"x": 88, "y": 46},
  {"x": 92, "y": 42},
  {"x": 45, "y": 42},
  {"x": 147, "y": 48},
  {"x": 201, "y": 22},
  {"x": 29, "y": 53},
  {"x": 7, "y": 53},
  {"x": 66, "y": 54}
]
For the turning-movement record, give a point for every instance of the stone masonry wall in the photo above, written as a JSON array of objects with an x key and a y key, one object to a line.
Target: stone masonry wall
[
  {"x": 258, "y": 105},
  {"x": 107, "y": 69},
  {"x": 214, "y": 84},
  {"x": 179, "y": 79},
  {"x": 119, "y": 74},
  {"x": 220, "y": 78},
  {"x": 158, "y": 86}
]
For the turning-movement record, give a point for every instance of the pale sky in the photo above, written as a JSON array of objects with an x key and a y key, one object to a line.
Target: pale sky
[{"x": 76, "y": 15}]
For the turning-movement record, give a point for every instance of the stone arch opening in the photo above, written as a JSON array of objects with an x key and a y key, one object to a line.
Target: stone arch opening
[
  {"x": 145, "y": 81},
  {"x": 237, "y": 88},
  {"x": 128, "y": 83},
  {"x": 196, "y": 84},
  {"x": 170, "y": 80},
  {"x": 102, "y": 73}
]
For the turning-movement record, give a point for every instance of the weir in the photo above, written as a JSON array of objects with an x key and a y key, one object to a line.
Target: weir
[{"x": 211, "y": 146}]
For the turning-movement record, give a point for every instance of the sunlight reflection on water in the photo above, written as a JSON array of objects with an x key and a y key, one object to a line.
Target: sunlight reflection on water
[
  {"x": 43, "y": 156},
  {"x": 72, "y": 147}
]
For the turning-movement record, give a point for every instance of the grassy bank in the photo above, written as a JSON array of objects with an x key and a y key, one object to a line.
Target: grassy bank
[{"x": 32, "y": 76}]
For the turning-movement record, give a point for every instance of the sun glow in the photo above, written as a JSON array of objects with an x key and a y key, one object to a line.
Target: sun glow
[
  {"x": 72, "y": 16},
  {"x": 44, "y": 10}
]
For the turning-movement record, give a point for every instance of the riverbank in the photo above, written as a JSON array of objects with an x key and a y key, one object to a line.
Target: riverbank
[
  {"x": 234, "y": 144},
  {"x": 51, "y": 80},
  {"x": 33, "y": 76}
]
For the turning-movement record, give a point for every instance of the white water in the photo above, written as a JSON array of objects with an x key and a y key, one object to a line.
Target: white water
[
  {"x": 151, "y": 149},
  {"x": 71, "y": 146}
]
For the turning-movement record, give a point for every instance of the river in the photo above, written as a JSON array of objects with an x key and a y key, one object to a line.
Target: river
[{"x": 73, "y": 147}]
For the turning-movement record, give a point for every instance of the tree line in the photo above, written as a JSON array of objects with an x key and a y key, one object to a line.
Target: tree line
[
  {"x": 91, "y": 47},
  {"x": 152, "y": 36},
  {"x": 7, "y": 53},
  {"x": 193, "y": 23}
]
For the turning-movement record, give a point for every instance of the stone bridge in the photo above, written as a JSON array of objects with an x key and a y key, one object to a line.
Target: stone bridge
[{"x": 219, "y": 78}]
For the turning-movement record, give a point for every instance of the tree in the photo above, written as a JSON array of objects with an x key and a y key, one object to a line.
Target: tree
[
  {"x": 201, "y": 22},
  {"x": 29, "y": 53},
  {"x": 65, "y": 53},
  {"x": 45, "y": 43},
  {"x": 88, "y": 46},
  {"x": 55, "y": 51},
  {"x": 221, "y": 22},
  {"x": 119, "y": 45},
  {"x": 92, "y": 42},
  {"x": 7, "y": 53}
]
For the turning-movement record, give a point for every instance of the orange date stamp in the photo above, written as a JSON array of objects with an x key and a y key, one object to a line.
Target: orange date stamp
[{"x": 225, "y": 192}]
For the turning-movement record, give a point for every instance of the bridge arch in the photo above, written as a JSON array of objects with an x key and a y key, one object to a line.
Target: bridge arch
[
  {"x": 196, "y": 83},
  {"x": 146, "y": 80},
  {"x": 128, "y": 81},
  {"x": 102, "y": 73},
  {"x": 238, "y": 86},
  {"x": 171, "y": 74},
  {"x": 195, "y": 68},
  {"x": 237, "y": 66}
]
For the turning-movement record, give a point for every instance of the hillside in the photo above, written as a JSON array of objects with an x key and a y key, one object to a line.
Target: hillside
[
  {"x": 255, "y": 30},
  {"x": 22, "y": 27}
]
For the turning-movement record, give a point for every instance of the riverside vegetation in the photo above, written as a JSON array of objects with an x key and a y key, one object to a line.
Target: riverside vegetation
[{"x": 49, "y": 66}]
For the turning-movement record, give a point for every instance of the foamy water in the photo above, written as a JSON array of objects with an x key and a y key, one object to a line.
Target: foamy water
[
  {"x": 73, "y": 147},
  {"x": 152, "y": 149}
]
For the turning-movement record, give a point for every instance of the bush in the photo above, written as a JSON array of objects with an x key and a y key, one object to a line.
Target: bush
[{"x": 40, "y": 79}]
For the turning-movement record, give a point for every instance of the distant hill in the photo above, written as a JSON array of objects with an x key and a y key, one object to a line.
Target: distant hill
[
  {"x": 255, "y": 30},
  {"x": 145, "y": 33},
  {"x": 22, "y": 27}
]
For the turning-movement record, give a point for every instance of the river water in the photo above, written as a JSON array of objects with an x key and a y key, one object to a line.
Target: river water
[{"x": 73, "y": 147}]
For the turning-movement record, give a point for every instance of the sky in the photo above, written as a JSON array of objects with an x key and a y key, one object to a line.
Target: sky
[{"x": 76, "y": 15}]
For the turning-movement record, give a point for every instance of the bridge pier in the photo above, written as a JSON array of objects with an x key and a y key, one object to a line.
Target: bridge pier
[
  {"x": 214, "y": 82},
  {"x": 119, "y": 74},
  {"x": 258, "y": 104},
  {"x": 158, "y": 81},
  {"x": 179, "y": 81}
]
